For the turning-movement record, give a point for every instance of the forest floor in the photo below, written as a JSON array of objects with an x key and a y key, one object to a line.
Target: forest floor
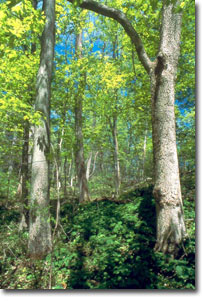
[{"x": 102, "y": 244}]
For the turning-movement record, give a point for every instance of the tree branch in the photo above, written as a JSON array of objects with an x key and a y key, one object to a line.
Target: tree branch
[{"x": 121, "y": 18}]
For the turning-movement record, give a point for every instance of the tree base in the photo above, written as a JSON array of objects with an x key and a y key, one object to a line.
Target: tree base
[
  {"x": 40, "y": 243},
  {"x": 170, "y": 229}
]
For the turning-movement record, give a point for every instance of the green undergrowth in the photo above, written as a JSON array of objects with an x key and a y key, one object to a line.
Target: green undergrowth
[{"x": 103, "y": 244}]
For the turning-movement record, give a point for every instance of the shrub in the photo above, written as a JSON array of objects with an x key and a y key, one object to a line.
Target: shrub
[{"x": 104, "y": 245}]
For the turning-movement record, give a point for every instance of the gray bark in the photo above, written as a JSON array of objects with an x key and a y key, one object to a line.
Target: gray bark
[
  {"x": 24, "y": 177},
  {"x": 89, "y": 161},
  {"x": 116, "y": 155},
  {"x": 115, "y": 131},
  {"x": 25, "y": 160},
  {"x": 79, "y": 149},
  {"x": 162, "y": 71},
  {"x": 167, "y": 191},
  {"x": 144, "y": 156},
  {"x": 39, "y": 228},
  {"x": 94, "y": 164},
  {"x": 57, "y": 161}
]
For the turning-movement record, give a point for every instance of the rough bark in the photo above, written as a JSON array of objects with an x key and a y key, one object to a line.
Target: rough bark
[
  {"x": 79, "y": 149},
  {"x": 162, "y": 71},
  {"x": 39, "y": 228},
  {"x": 167, "y": 191}
]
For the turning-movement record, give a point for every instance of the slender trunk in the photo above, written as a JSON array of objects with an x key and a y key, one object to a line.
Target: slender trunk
[
  {"x": 79, "y": 151},
  {"x": 167, "y": 192},
  {"x": 71, "y": 171},
  {"x": 94, "y": 164},
  {"x": 58, "y": 157},
  {"x": 39, "y": 228},
  {"x": 70, "y": 167},
  {"x": 65, "y": 178},
  {"x": 162, "y": 71},
  {"x": 89, "y": 161},
  {"x": 58, "y": 178},
  {"x": 88, "y": 174},
  {"x": 116, "y": 158},
  {"x": 25, "y": 177},
  {"x": 10, "y": 168},
  {"x": 116, "y": 155},
  {"x": 58, "y": 187},
  {"x": 144, "y": 155},
  {"x": 25, "y": 160},
  {"x": 114, "y": 130}
]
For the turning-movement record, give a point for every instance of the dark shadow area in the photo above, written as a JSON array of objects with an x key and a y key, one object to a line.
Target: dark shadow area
[
  {"x": 115, "y": 240},
  {"x": 101, "y": 245}
]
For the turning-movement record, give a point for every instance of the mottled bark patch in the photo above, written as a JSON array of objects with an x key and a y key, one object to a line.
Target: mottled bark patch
[{"x": 170, "y": 229}]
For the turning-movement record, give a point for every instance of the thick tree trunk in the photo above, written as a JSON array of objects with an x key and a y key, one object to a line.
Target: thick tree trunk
[
  {"x": 167, "y": 191},
  {"x": 79, "y": 149},
  {"x": 39, "y": 228},
  {"x": 162, "y": 71}
]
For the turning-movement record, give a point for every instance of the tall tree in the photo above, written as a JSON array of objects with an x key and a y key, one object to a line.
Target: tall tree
[
  {"x": 79, "y": 149},
  {"x": 39, "y": 229},
  {"x": 115, "y": 132},
  {"x": 23, "y": 193},
  {"x": 25, "y": 158},
  {"x": 162, "y": 72},
  {"x": 167, "y": 192}
]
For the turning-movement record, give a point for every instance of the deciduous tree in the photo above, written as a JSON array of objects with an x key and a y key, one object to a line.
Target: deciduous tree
[
  {"x": 162, "y": 72},
  {"x": 39, "y": 230}
]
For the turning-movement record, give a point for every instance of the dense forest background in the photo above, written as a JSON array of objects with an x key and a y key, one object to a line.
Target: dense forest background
[{"x": 101, "y": 175}]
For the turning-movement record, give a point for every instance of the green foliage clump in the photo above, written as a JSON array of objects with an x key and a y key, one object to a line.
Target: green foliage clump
[
  {"x": 103, "y": 244},
  {"x": 110, "y": 245}
]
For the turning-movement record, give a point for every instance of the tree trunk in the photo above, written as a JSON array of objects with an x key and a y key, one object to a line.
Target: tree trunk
[
  {"x": 24, "y": 177},
  {"x": 65, "y": 177},
  {"x": 114, "y": 130},
  {"x": 57, "y": 160},
  {"x": 79, "y": 149},
  {"x": 39, "y": 229},
  {"x": 25, "y": 160},
  {"x": 162, "y": 71},
  {"x": 167, "y": 191},
  {"x": 116, "y": 157},
  {"x": 11, "y": 163},
  {"x": 144, "y": 156},
  {"x": 89, "y": 161}
]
